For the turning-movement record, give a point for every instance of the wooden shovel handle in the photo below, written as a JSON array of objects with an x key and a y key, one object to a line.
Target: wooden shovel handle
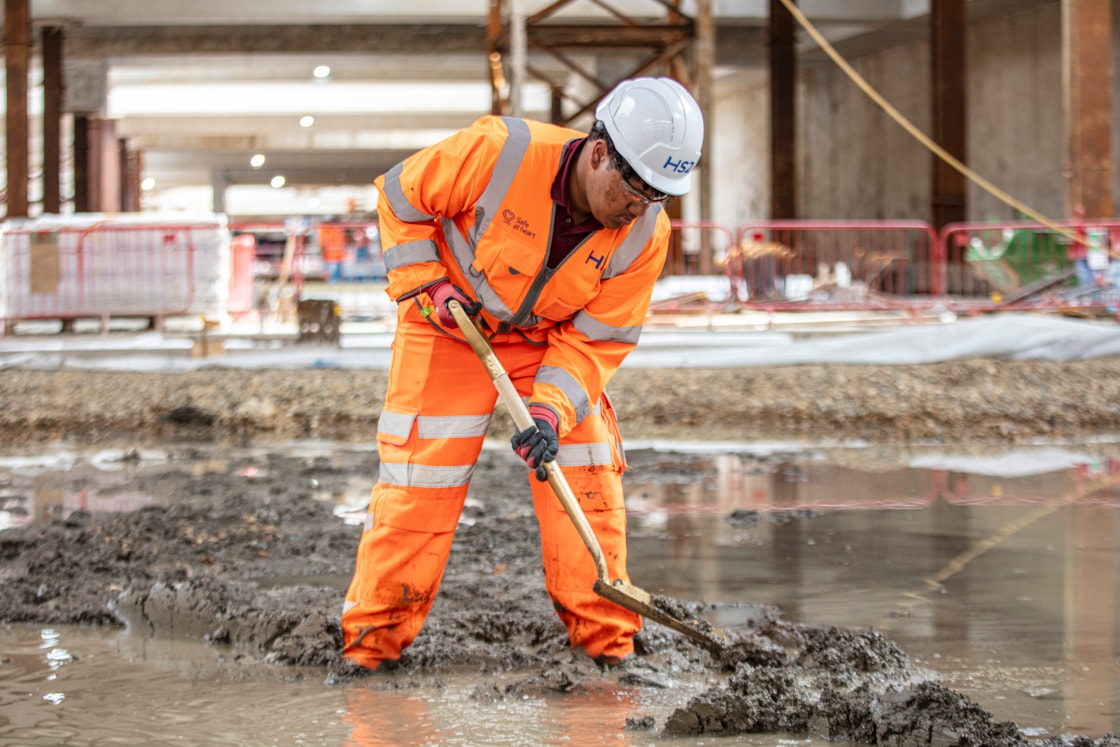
[{"x": 522, "y": 420}]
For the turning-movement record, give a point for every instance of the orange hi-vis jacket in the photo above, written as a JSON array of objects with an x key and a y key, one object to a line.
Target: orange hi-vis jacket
[{"x": 475, "y": 208}]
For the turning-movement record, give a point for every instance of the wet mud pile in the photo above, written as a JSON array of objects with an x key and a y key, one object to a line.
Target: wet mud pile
[{"x": 247, "y": 558}]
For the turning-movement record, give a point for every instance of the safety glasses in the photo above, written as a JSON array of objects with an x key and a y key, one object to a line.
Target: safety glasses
[{"x": 625, "y": 174}]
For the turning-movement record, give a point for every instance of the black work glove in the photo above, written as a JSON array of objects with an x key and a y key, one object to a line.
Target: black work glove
[
  {"x": 538, "y": 444},
  {"x": 442, "y": 293}
]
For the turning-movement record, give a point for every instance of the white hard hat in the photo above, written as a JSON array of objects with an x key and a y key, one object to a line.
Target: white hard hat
[{"x": 656, "y": 126}]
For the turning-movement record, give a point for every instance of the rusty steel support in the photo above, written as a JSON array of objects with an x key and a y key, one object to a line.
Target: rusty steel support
[
  {"x": 1087, "y": 88},
  {"x": 131, "y": 166},
  {"x": 81, "y": 164},
  {"x": 53, "y": 91},
  {"x": 659, "y": 48},
  {"x": 703, "y": 181},
  {"x": 783, "y": 114},
  {"x": 948, "y": 67},
  {"x": 17, "y": 59},
  {"x": 499, "y": 92}
]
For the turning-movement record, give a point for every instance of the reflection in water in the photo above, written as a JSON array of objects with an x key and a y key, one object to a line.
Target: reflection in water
[
  {"x": 1090, "y": 616},
  {"x": 998, "y": 574},
  {"x": 466, "y": 716},
  {"x": 1001, "y": 579}
]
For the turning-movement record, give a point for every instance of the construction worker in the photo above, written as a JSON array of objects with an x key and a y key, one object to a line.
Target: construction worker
[
  {"x": 332, "y": 245},
  {"x": 553, "y": 240}
]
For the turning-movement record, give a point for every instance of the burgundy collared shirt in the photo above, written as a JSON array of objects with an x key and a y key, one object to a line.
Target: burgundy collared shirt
[{"x": 566, "y": 233}]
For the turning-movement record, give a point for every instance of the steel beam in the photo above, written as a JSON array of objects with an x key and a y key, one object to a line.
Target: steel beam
[
  {"x": 783, "y": 114},
  {"x": 948, "y": 33},
  {"x": 17, "y": 58},
  {"x": 52, "y": 118},
  {"x": 1087, "y": 56},
  {"x": 655, "y": 46}
]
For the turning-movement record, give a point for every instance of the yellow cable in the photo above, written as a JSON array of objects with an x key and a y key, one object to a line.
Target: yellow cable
[{"x": 920, "y": 136}]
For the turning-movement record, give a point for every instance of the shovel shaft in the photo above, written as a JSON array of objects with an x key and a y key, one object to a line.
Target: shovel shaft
[
  {"x": 620, "y": 592},
  {"x": 522, "y": 420}
]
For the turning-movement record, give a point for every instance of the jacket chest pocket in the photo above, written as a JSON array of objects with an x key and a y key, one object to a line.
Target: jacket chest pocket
[
  {"x": 572, "y": 288},
  {"x": 509, "y": 262}
]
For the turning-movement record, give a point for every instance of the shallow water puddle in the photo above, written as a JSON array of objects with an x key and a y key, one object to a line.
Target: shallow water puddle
[
  {"x": 78, "y": 686},
  {"x": 996, "y": 571}
]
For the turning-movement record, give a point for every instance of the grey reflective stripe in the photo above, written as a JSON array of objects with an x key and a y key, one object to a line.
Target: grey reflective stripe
[
  {"x": 463, "y": 252},
  {"x": 462, "y": 247},
  {"x": 394, "y": 193},
  {"x": 369, "y": 521},
  {"x": 452, "y": 426},
  {"x": 596, "y": 330},
  {"x": 509, "y": 161},
  {"x": 425, "y": 475},
  {"x": 584, "y": 455},
  {"x": 348, "y": 605},
  {"x": 631, "y": 247},
  {"x": 566, "y": 383},
  {"x": 411, "y": 253},
  {"x": 395, "y": 423}
]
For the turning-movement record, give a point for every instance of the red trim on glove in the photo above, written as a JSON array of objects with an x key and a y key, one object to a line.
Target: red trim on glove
[{"x": 546, "y": 413}]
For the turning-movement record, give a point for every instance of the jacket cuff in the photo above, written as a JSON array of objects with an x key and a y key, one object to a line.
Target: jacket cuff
[{"x": 544, "y": 412}]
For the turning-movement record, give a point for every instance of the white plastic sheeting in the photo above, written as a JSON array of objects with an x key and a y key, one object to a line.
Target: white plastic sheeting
[
  {"x": 1014, "y": 336},
  {"x": 1017, "y": 336},
  {"x": 99, "y": 265}
]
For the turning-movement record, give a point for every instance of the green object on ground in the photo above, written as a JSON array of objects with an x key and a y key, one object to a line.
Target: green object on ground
[{"x": 1019, "y": 258}]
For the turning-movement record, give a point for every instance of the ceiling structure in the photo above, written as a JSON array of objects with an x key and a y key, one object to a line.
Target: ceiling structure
[{"x": 198, "y": 88}]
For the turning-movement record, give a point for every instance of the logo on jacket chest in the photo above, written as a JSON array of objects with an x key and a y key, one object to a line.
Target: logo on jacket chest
[{"x": 520, "y": 225}]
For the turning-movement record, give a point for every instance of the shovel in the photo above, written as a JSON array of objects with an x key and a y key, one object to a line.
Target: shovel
[{"x": 618, "y": 591}]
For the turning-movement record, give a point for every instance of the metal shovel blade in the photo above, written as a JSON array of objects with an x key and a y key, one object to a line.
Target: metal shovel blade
[
  {"x": 618, "y": 591},
  {"x": 643, "y": 603}
]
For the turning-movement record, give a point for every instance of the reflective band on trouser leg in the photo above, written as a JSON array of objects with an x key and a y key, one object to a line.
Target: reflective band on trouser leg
[
  {"x": 429, "y": 436},
  {"x": 593, "y": 468}
]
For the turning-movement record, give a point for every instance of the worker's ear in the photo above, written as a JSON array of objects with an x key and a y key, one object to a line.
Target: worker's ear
[{"x": 599, "y": 155}]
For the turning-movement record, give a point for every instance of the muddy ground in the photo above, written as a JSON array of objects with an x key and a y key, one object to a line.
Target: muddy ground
[{"x": 238, "y": 560}]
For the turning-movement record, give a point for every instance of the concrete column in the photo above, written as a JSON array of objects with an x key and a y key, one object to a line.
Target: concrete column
[
  {"x": 53, "y": 90},
  {"x": 783, "y": 114},
  {"x": 948, "y": 67},
  {"x": 104, "y": 167},
  {"x": 87, "y": 84},
  {"x": 219, "y": 181},
  {"x": 1087, "y": 93},
  {"x": 17, "y": 59}
]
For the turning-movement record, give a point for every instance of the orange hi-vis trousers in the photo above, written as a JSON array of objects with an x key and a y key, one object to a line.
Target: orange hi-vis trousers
[{"x": 436, "y": 414}]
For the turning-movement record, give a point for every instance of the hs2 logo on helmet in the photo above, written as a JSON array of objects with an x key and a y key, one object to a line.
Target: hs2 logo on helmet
[{"x": 677, "y": 167}]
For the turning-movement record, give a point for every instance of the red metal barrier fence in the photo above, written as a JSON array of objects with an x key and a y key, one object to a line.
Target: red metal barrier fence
[
  {"x": 1023, "y": 264},
  {"x": 55, "y": 270},
  {"x": 840, "y": 263},
  {"x": 90, "y": 266},
  {"x": 803, "y": 265},
  {"x": 242, "y": 254},
  {"x": 828, "y": 264}
]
